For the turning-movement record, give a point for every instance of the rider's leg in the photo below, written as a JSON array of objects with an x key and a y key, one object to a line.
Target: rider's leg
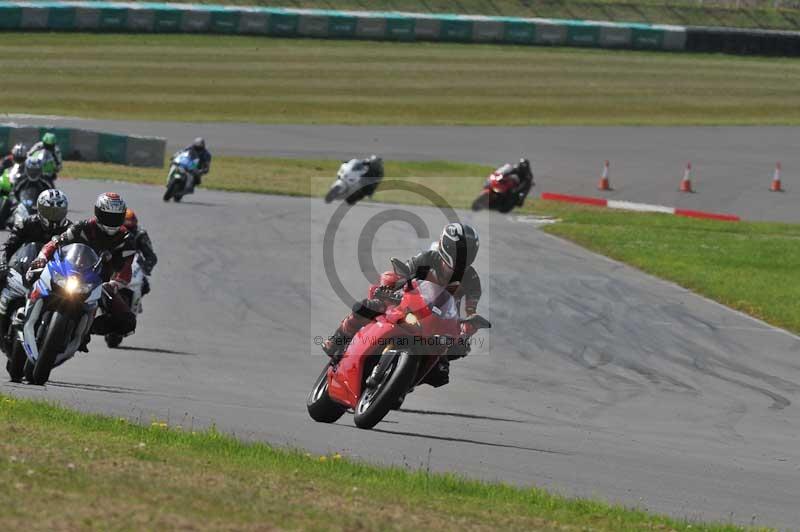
[
  {"x": 363, "y": 312},
  {"x": 5, "y": 321},
  {"x": 118, "y": 318}
]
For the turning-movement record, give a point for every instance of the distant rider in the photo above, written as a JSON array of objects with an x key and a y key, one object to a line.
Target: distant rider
[
  {"x": 48, "y": 144},
  {"x": 50, "y": 221},
  {"x": 197, "y": 150},
  {"x": 449, "y": 265},
  {"x": 522, "y": 175},
  {"x": 39, "y": 172},
  {"x": 17, "y": 156},
  {"x": 144, "y": 246},
  {"x": 105, "y": 232}
]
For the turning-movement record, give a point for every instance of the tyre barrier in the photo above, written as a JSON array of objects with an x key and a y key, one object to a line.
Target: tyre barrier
[
  {"x": 147, "y": 17},
  {"x": 85, "y": 145}
]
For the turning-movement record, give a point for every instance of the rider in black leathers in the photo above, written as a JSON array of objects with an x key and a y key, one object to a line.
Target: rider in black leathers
[
  {"x": 49, "y": 222},
  {"x": 450, "y": 265},
  {"x": 523, "y": 175},
  {"x": 197, "y": 149}
]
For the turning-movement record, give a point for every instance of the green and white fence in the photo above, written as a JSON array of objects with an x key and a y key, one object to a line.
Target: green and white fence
[
  {"x": 147, "y": 17},
  {"x": 279, "y": 22},
  {"x": 84, "y": 145}
]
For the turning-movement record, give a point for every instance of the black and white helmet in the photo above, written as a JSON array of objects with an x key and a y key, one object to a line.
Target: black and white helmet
[
  {"x": 109, "y": 211},
  {"x": 199, "y": 144},
  {"x": 52, "y": 206},
  {"x": 376, "y": 165},
  {"x": 19, "y": 152},
  {"x": 458, "y": 247}
]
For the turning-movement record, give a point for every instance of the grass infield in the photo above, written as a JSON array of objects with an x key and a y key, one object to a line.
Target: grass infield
[
  {"x": 252, "y": 79},
  {"x": 62, "y": 470}
]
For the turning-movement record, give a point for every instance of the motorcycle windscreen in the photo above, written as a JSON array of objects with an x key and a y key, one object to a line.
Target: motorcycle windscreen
[
  {"x": 438, "y": 301},
  {"x": 29, "y": 195},
  {"x": 23, "y": 257},
  {"x": 351, "y": 172},
  {"x": 81, "y": 257},
  {"x": 186, "y": 162}
]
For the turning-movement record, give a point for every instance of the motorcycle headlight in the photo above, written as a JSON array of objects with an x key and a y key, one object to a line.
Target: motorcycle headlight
[
  {"x": 72, "y": 285},
  {"x": 411, "y": 319}
]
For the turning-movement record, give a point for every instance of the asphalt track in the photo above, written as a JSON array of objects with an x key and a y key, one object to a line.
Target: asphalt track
[
  {"x": 732, "y": 165},
  {"x": 597, "y": 380}
]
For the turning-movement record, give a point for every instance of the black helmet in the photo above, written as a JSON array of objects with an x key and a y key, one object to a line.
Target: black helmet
[
  {"x": 525, "y": 163},
  {"x": 376, "y": 164},
  {"x": 458, "y": 247},
  {"x": 199, "y": 144}
]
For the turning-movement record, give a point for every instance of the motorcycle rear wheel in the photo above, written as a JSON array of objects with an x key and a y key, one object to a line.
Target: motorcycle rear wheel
[
  {"x": 320, "y": 405},
  {"x": 113, "y": 340},
  {"x": 375, "y": 403}
]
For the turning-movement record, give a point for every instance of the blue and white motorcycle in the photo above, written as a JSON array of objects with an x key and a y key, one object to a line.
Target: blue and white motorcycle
[
  {"x": 60, "y": 310},
  {"x": 181, "y": 176}
]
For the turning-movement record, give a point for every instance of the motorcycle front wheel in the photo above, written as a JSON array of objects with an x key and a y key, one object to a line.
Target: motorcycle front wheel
[
  {"x": 53, "y": 341},
  {"x": 481, "y": 202},
  {"x": 113, "y": 340},
  {"x": 376, "y": 401},
  {"x": 320, "y": 405},
  {"x": 172, "y": 186}
]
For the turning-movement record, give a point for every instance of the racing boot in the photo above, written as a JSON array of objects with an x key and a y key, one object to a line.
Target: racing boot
[
  {"x": 439, "y": 375},
  {"x": 85, "y": 343},
  {"x": 335, "y": 345}
]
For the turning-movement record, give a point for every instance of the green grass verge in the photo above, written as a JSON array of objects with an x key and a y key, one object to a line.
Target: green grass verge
[
  {"x": 299, "y": 177},
  {"x": 250, "y": 79},
  {"x": 758, "y": 14},
  {"x": 69, "y": 471},
  {"x": 748, "y": 266}
]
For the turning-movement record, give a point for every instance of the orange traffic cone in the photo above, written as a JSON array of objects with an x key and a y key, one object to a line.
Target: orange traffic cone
[
  {"x": 686, "y": 182},
  {"x": 604, "y": 183},
  {"x": 776, "y": 179}
]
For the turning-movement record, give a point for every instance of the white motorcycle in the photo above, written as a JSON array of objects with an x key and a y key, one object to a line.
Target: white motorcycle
[
  {"x": 356, "y": 179},
  {"x": 132, "y": 294}
]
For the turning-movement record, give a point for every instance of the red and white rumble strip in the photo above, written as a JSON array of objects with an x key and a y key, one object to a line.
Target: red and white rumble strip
[{"x": 641, "y": 207}]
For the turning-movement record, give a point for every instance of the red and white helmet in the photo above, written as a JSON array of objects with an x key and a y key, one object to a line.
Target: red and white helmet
[{"x": 109, "y": 211}]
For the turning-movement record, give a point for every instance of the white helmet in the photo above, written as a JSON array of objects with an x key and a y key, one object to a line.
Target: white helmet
[{"x": 52, "y": 206}]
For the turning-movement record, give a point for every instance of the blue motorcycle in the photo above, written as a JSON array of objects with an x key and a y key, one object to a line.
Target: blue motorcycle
[
  {"x": 181, "y": 176},
  {"x": 60, "y": 310}
]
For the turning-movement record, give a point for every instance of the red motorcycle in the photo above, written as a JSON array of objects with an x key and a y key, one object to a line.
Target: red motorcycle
[
  {"x": 391, "y": 355},
  {"x": 499, "y": 192}
]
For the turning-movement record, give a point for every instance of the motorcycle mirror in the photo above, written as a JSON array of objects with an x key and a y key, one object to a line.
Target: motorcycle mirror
[
  {"x": 400, "y": 268},
  {"x": 479, "y": 322}
]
